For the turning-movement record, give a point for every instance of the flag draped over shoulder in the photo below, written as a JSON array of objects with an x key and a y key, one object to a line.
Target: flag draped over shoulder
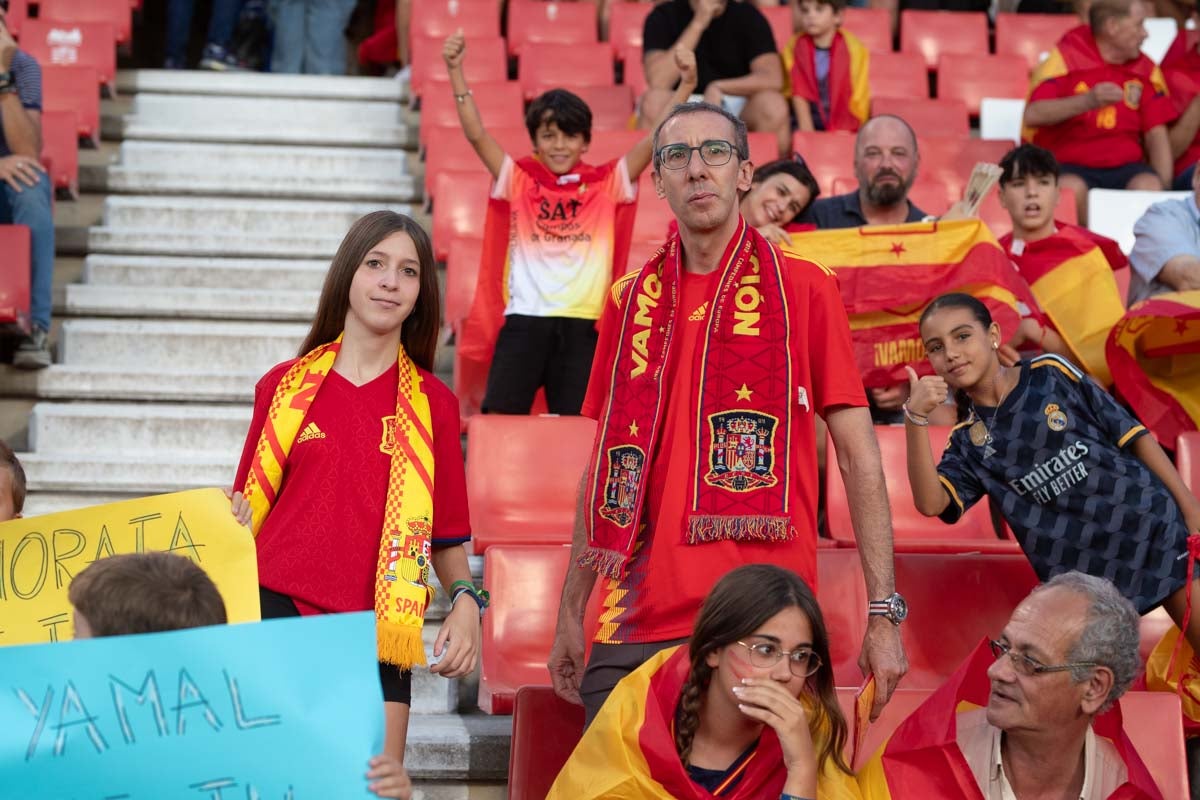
[
  {"x": 1071, "y": 276},
  {"x": 628, "y": 752},
  {"x": 1154, "y": 356},
  {"x": 922, "y": 759},
  {"x": 849, "y": 93},
  {"x": 1166, "y": 669},
  {"x": 889, "y": 273}
]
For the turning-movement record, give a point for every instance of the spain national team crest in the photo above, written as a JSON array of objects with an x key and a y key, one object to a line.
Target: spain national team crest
[
  {"x": 409, "y": 554},
  {"x": 1133, "y": 94},
  {"x": 742, "y": 450},
  {"x": 625, "y": 471}
]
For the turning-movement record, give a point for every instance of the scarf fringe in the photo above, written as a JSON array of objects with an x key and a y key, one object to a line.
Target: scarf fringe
[
  {"x": 400, "y": 645},
  {"x": 608, "y": 563},
  {"x": 715, "y": 528}
]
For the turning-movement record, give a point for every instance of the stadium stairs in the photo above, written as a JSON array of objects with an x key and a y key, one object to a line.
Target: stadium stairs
[{"x": 189, "y": 266}]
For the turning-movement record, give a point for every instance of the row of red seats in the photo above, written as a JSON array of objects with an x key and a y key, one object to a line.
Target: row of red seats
[
  {"x": 118, "y": 13},
  {"x": 546, "y": 729}
]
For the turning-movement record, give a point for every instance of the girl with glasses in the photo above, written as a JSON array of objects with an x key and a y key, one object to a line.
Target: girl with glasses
[{"x": 745, "y": 710}]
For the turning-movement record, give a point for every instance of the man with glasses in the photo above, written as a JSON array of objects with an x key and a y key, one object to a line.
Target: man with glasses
[{"x": 712, "y": 361}]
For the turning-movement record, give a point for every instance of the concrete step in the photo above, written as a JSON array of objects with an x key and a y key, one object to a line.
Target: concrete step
[
  {"x": 143, "y": 302},
  {"x": 205, "y": 273},
  {"x": 152, "y": 429},
  {"x": 260, "y": 84},
  {"x": 257, "y": 120},
  {"x": 102, "y": 382},
  {"x": 351, "y": 173},
  {"x": 137, "y": 474},
  {"x": 181, "y": 347},
  {"x": 39, "y": 503},
  {"x": 459, "y": 747}
]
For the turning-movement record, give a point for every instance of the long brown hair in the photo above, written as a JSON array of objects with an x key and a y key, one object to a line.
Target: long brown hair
[
  {"x": 738, "y": 605},
  {"x": 419, "y": 333}
]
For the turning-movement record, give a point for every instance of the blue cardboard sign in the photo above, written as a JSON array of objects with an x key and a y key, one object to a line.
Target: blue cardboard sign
[{"x": 278, "y": 710}]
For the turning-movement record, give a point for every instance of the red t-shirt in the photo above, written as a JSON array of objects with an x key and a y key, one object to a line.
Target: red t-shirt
[
  {"x": 667, "y": 579},
  {"x": 1103, "y": 137},
  {"x": 1181, "y": 68},
  {"x": 320, "y": 543}
]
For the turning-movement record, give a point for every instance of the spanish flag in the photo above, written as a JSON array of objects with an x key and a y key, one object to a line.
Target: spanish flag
[
  {"x": 1167, "y": 668},
  {"x": 922, "y": 759},
  {"x": 628, "y": 752},
  {"x": 1071, "y": 277},
  {"x": 849, "y": 93},
  {"x": 1154, "y": 356},
  {"x": 889, "y": 273}
]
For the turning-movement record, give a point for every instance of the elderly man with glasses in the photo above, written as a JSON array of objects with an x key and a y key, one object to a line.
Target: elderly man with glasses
[{"x": 713, "y": 360}]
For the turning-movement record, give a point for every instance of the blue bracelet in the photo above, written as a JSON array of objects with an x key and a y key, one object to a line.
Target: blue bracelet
[{"x": 793, "y": 797}]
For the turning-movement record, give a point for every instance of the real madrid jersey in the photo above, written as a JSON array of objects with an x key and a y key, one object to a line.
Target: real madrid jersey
[{"x": 1055, "y": 455}]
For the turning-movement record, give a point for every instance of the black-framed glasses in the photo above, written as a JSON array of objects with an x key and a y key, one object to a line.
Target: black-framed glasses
[
  {"x": 802, "y": 661},
  {"x": 714, "y": 152},
  {"x": 1031, "y": 666}
]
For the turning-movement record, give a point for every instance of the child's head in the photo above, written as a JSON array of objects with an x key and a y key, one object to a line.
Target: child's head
[
  {"x": 382, "y": 279},
  {"x": 820, "y": 19},
  {"x": 779, "y": 192},
  {"x": 560, "y": 126},
  {"x": 754, "y": 614},
  {"x": 1029, "y": 189},
  {"x": 12, "y": 484},
  {"x": 960, "y": 339},
  {"x": 143, "y": 593}
]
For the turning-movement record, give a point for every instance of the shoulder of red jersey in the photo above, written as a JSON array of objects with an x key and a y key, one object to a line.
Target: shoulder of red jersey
[
  {"x": 271, "y": 377},
  {"x": 803, "y": 267}
]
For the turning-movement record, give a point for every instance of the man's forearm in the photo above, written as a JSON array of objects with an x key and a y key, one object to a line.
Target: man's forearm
[
  {"x": 579, "y": 581},
  {"x": 751, "y": 83},
  {"x": 20, "y": 131},
  {"x": 1183, "y": 131},
  {"x": 1042, "y": 113},
  {"x": 661, "y": 72},
  {"x": 871, "y": 519},
  {"x": 1158, "y": 152}
]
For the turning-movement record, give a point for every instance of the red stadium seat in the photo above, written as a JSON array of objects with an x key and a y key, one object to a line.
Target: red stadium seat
[
  {"x": 525, "y": 582},
  {"x": 954, "y": 600},
  {"x": 1031, "y": 36},
  {"x": 499, "y": 104},
  {"x": 546, "y": 729},
  {"x": 550, "y": 65},
  {"x": 971, "y": 78},
  {"x": 14, "y": 20},
  {"x": 1187, "y": 460},
  {"x": 872, "y": 26},
  {"x": 87, "y": 44},
  {"x": 523, "y": 475},
  {"x": 764, "y": 147},
  {"x": 829, "y": 155},
  {"x": 640, "y": 250},
  {"x": 115, "y": 12},
  {"x": 626, "y": 22},
  {"x": 898, "y": 75},
  {"x": 74, "y": 89},
  {"x": 926, "y": 116},
  {"x": 536, "y": 22},
  {"x": 437, "y": 19},
  {"x": 612, "y": 106},
  {"x": 14, "y": 279},
  {"x": 780, "y": 19},
  {"x": 608, "y": 145},
  {"x": 932, "y": 33},
  {"x": 60, "y": 145},
  {"x": 462, "y": 273},
  {"x": 842, "y": 596},
  {"x": 654, "y": 216},
  {"x": 448, "y": 149},
  {"x": 634, "y": 75},
  {"x": 972, "y": 532},
  {"x": 992, "y": 213},
  {"x": 486, "y": 60},
  {"x": 460, "y": 207}
]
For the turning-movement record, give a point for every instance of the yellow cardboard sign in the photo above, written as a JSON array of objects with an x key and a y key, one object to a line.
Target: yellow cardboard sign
[{"x": 40, "y": 555}]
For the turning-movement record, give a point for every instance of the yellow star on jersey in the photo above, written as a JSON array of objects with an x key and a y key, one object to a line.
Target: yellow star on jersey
[
  {"x": 744, "y": 393},
  {"x": 633, "y": 428}
]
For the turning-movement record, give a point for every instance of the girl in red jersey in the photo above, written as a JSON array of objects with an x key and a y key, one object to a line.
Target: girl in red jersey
[{"x": 352, "y": 473}]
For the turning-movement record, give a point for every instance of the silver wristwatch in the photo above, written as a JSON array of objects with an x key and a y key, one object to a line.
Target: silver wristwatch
[{"x": 893, "y": 608}]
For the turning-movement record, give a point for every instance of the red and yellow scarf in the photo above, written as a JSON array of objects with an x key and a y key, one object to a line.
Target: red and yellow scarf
[
  {"x": 849, "y": 95},
  {"x": 743, "y": 368},
  {"x": 402, "y": 590}
]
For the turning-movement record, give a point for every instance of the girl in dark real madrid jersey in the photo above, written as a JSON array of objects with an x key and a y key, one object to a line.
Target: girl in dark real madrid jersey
[{"x": 1080, "y": 481}]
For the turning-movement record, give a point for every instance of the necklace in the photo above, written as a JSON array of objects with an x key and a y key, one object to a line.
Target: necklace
[{"x": 981, "y": 432}]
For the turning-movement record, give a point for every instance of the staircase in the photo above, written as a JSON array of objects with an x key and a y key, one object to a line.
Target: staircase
[{"x": 212, "y": 224}]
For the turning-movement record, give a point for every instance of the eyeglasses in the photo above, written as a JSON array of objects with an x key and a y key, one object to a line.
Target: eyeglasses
[
  {"x": 1030, "y": 666},
  {"x": 715, "y": 153},
  {"x": 801, "y": 661}
]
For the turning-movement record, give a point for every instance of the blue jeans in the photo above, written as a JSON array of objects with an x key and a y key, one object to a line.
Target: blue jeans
[
  {"x": 31, "y": 206},
  {"x": 179, "y": 25},
  {"x": 310, "y": 36}
]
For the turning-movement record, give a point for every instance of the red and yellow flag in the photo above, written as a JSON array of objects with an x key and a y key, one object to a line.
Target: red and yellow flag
[
  {"x": 922, "y": 758},
  {"x": 1154, "y": 356},
  {"x": 1071, "y": 277},
  {"x": 889, "y": 273},
  {"x": 849, "y": 91}
]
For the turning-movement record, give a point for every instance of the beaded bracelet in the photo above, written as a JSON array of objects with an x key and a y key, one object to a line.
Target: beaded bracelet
[{"x": 920, "y": 420}]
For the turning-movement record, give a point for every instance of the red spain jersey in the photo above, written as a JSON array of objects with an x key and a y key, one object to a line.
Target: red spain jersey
[{"x": 1181, "y": 68}]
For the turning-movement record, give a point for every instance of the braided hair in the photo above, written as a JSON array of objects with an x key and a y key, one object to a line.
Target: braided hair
[{"x": 738, "y": 605}]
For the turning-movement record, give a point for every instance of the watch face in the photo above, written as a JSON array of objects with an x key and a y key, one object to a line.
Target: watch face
[{"x": 899, "y": 608}]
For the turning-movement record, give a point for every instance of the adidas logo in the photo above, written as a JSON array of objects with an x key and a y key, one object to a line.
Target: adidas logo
[
  {"x": 700, "y": 313},
  {"x": 311, "y": 431}
]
